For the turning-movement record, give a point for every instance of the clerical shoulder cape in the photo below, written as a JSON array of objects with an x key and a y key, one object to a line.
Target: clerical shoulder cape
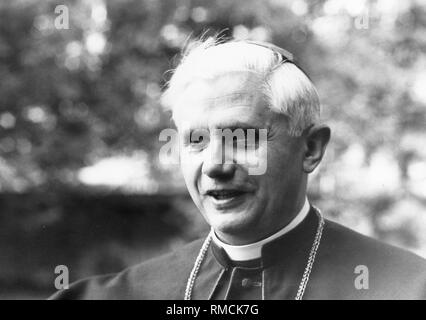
[{"x": 348, "y": 265}]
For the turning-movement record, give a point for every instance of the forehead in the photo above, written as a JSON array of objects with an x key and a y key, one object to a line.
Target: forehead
[{"x": 223, "y": 101}]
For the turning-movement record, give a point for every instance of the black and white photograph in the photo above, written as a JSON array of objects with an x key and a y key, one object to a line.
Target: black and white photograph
[{"x": 214, "y": 150}]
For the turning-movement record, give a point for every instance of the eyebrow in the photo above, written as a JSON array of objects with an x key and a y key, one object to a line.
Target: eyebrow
[
  {"x": 242, "y": 126},
  {"x": 231, "y": 126},
  {"x": 234, "y": 125},
  {"x": 253, "y": 122}
]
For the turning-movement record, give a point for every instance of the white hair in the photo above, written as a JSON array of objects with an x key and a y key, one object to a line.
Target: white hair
[{"x": 286, "y": 88}]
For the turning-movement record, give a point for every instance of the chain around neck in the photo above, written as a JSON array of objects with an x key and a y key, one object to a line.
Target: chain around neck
[{"x": 306, "y": 273}]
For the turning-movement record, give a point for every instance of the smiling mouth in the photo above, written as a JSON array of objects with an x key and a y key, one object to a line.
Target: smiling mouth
[{"x": 224, "y": 194}]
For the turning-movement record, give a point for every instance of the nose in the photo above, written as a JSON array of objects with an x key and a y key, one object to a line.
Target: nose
[
  {"x": 218, "y": 162},
  {"x": 218, "y": 171}
]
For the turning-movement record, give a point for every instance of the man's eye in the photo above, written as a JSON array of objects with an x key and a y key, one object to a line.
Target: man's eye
[
  {"x": 196, "y": 140},
  {"x": 250, "y": 138}
]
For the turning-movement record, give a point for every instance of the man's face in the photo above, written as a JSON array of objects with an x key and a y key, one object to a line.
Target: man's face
[{"x": 241, "y": 207}]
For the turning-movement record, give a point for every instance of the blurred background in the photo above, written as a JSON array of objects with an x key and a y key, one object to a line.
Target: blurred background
[{"x": 80, "y": 180}]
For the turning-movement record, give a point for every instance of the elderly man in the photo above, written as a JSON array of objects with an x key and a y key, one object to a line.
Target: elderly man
[{"x": 266, "y": 240}]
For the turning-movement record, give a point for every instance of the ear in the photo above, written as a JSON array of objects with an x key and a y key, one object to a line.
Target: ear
[{"x": 316, "y": 140}]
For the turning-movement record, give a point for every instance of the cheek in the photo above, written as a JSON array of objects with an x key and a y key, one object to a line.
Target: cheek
[
  {"x": 284, "y": 163},
  {"x": 191, "y": 169},
  {"x": 254, "y": 160}
]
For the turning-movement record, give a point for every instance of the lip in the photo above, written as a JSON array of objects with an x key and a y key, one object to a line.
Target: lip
[{"x": 226, "y": 198}]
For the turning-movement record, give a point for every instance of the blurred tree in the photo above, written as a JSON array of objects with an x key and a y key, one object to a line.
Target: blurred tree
[{"x": 72, "y": 97}]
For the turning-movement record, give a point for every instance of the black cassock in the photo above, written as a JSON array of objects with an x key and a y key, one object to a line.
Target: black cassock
[{"x": 348, "y": 265}]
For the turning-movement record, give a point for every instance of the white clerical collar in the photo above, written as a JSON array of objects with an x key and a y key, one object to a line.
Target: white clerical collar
[{"x": 254, "y": 250}]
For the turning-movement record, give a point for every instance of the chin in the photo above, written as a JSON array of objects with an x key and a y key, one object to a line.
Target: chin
[{"x": 231, "y": 223}]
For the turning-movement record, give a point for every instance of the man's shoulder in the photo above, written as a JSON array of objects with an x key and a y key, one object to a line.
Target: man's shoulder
[
  {"x": 393, "y": 273},
  {"x": 161, "y": 277},
  {"x": 183, "y": 256},
  {"x": 351, "y": 245}
]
